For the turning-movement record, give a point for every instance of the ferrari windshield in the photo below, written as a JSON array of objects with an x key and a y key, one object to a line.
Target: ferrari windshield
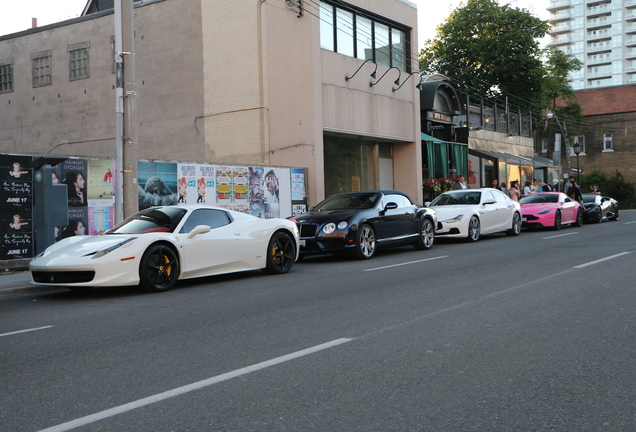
[
  {"x": 163, "y": 219},
  {"x": 349, "y": 201},
  {"x": 457, "y": 198},
  {"x": 540, "y": 198}
]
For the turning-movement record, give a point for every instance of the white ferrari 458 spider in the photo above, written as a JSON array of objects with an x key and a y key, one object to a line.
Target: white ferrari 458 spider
[{"x": 158, "y": 246}]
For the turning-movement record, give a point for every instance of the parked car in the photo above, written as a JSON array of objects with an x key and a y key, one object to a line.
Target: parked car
[
  {"x": 599, "y": 208},
  {"x": 158, "y": 246},
  {"x": 471, "y": 213},
  {"x": 550, "y": 209},
  {"x": 360, "y": 222}
]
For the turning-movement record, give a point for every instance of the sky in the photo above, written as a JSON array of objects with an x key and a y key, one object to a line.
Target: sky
[{"x": 16, "y": 14}]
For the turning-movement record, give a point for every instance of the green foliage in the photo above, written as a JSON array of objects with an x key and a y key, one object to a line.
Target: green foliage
[
  {"x": 557, "y": 88},
  {"x": 489, "y": 50},
  {"x": 615, "y": 187}
]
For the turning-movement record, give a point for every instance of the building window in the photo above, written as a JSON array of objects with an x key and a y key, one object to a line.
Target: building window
[
  {"x": 41, "y": 69},
  {"x": 355, "y": 33},
  {"x": 581, "y": 141},
  {"x": 6, "y": 76},
  {"x": 545, "y": 144},
  {"x": 608, "y": 146},
  {"x": 78, "y": 61}
]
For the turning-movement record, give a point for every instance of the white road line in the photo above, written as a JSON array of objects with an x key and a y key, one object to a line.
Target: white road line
[
  {"x": 25, "y": 331},
  {"x": 629, "y": 223},
  {"x": 190, "y": 387},
  {"x": 406, "y": 263},
  {"x": 560, "y": 235},
  {"x": 602, "y": 260}
]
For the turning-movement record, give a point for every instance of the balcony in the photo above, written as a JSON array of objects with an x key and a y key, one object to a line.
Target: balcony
[
  {"x": 599, "y": 21},
  {"x": 599, "y": 9},
  {"x": 562, "y": 15},
  {"x": 559, "y": 4}
]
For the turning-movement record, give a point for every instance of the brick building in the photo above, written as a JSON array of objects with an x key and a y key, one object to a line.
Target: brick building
[{"x": 608, "y": 134}]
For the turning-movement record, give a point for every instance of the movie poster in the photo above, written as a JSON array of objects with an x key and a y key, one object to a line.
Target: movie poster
[
  {"x": 16, "y": 213},
  {"x": 157, "y": 184}
]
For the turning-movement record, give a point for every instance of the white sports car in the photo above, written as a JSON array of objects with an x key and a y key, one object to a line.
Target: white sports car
[
  {"x": 470, "y": 213},
  {"x": 157, "y": 246}
]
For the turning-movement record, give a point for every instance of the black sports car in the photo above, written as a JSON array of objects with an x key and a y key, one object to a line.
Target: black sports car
[
  {"x": 359, "y": 222},
  {"x": 598, "y": 207}
]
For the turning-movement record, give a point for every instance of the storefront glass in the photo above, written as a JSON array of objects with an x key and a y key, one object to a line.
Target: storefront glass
[{"x": 348, "y": 162}]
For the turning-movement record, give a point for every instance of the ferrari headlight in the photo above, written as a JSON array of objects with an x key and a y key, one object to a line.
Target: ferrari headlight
[
  {"x": 329, "y": 228},
  {"x": 102, "y": 252},
  {"x": 342, "y": 225},
  {"x": 455, "y": 219},
  {"x": 544, "y": 211}
]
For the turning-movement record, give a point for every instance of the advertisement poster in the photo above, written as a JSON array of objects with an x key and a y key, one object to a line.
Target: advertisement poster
[
  {"x": 77, "y": 222},
  {"x": 205, "y": 184},
  {"x": 100, "y": 219},
  {"x": 187, "y": 183},
  {"x": 240, "y": 187},
  {"x": 101, "y": 181},
  {"x": 157, "y": 184},
  {"x": 298, "y": 191},
  {"x": 73, "y": 174},
  {"x": 16, "y": 213},
  {"x": 224, "y": 186}
]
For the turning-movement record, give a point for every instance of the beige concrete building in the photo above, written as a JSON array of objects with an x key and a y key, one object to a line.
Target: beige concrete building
[{"x": 241, "y": 82}]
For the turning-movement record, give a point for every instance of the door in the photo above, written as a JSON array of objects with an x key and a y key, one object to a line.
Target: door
[{"x": 386, "y": 173}]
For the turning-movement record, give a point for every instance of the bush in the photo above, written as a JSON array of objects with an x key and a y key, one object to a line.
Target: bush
[{"x": 615, "y": 187}]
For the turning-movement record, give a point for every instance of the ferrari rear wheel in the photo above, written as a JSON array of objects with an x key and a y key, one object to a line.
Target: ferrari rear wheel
[
  {"x": 473, "y": 229},
  {"x": 281, "y": 254},
  {"x": 426, "y": 236},
  {"x": 557, "y": 220},
  {"x": 615, "y": 215},
  {"x": 365, "y": 242},
  {"x": 159, "y": 269}
]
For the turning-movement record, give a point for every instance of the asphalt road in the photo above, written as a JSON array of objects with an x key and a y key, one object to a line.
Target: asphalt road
[{"x": 528, "y": 333}]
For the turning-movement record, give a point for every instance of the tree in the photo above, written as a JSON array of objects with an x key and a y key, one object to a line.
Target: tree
[
  {"x": 558, "y": 95},
  {"x": 489, "y": 50}
]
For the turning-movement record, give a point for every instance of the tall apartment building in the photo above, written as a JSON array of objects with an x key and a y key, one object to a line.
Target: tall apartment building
[{"x": 601, "y": 34}]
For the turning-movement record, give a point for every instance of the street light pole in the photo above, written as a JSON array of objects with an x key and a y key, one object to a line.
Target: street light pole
[
  {"x": 564, "y": 131},
  {"x": 577, "y": 150}
]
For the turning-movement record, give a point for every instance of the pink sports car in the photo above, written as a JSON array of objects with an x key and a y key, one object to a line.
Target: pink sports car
[{"x": 550, "y": 209}]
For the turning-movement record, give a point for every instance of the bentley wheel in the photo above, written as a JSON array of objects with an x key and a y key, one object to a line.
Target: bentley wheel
[
  {"x": 281, "y": 254},
  {"x": 579, "y": 219},
  {"x": 473, "y": 229},
  {"x": 365, "y": 242},
  {"x": 159, "y": 269},
  {"x": 557, "y": 220},
  {"x": 516, "y": 225},
  {"x": 426, "y": 237}
]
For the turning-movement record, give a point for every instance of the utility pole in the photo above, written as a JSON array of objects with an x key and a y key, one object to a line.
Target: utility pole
[{"x": 126, "y": 198}]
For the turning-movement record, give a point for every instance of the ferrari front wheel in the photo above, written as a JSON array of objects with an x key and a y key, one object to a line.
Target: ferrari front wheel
[
  {"x": 281, "y": 254},
  {"x": 159, "y": 269}
]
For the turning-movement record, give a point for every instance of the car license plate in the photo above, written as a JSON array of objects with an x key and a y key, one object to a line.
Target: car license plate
[
  {"x": 301, "y": 243},
  {"x": 524, "y": 219}
]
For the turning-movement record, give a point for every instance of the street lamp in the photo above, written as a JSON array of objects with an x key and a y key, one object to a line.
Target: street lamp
[
  {"x": 564, "y": 130},
  {"x": 577, "y": 151}
]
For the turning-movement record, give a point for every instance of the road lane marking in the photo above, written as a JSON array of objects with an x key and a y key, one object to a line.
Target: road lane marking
[
  {"x": 560, "y": 235},
  {"x": 602, "y": 260},
  {"x": 191, "y": 387},
  {"x": 406, "y": 263},
  {"x": 629, "y": 223},
  {"x": 25, "y": 331}
]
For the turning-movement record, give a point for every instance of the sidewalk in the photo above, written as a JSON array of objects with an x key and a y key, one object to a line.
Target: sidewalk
[{"x": 15, "y": 282}]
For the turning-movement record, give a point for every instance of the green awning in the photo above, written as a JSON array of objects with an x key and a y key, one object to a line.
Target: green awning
[{"x": 426, "y": 137}]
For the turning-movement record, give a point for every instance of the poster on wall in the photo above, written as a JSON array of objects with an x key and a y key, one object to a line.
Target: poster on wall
[
  {"x": 101, "y": 196},
  {"x": 224, "y": 186},
  {"x": 205, "y": 184},
  {"x": 270, "y": 192},
  {"x": 157, "y": 184},
  {"x": 16, "y": 213},
  {"x": 187, "y": 183},
  {"x": 74, "y": 173},
  {"x": 298, "y": 191}
]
